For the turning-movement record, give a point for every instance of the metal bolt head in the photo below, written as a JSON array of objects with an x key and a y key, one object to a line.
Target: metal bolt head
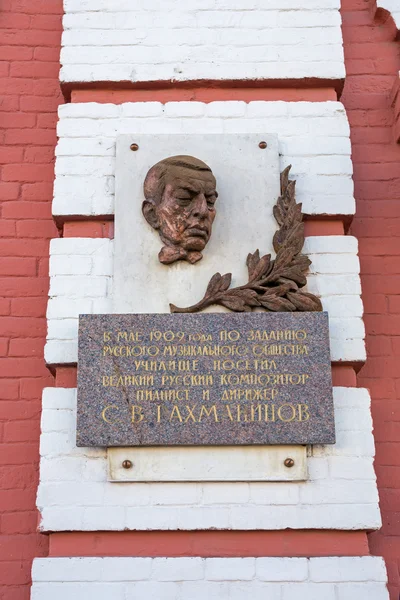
[
  {"x": 262, "y": 145},
  {"x": 134, "y": 147},
  {"x": 127, "y": 464},
  {"x": 289, "y": 463}
]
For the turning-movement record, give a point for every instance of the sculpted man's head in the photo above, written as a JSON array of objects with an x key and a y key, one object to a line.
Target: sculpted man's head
[{"x": 180, "y": 204}]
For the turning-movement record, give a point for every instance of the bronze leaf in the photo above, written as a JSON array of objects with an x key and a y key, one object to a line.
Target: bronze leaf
[{"x": 272, "y": 284}]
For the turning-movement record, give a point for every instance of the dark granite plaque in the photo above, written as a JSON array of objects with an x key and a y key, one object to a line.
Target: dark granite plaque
[{"x": 204, "y": 379}]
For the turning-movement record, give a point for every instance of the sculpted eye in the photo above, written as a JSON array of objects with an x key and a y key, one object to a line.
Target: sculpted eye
[
  {"x": 184, "y": 200},
  {"x": 211, "y": 200}
]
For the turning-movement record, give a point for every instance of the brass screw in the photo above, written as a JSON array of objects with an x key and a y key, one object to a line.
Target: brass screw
[
  {"x": 262, "y": 145},
  {"x": 127, "y": 464},
  {"x": 289, "y": 462},
  {"x": 134, "y": 147}
]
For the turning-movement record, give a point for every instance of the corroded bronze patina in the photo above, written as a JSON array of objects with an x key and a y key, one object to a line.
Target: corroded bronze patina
[
  {"x": 274, "y": 285},
  {"x": 180, "y": 204}
]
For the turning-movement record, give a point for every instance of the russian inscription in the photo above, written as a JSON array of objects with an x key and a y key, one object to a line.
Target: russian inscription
[{"x": 204, "y": 379}]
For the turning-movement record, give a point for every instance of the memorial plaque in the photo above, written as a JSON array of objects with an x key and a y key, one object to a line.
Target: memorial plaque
[{"x": 204, "y": 379}]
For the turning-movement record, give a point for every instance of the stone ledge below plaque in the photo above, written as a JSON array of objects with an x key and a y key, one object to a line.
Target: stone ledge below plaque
[{"x": 246, "y": 463}]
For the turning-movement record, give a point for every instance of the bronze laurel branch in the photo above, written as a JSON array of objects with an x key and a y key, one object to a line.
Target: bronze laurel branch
[{"x": 274, "y": 285}]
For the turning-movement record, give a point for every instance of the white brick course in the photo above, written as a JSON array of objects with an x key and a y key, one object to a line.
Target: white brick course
[
  {"x": 313, "y": 137},
  {"x": 341, "y": 492},
  {"x": 344, "y": 578},
  {"x": 207, "y": 39},
  {"x": 81, "y": 283}
]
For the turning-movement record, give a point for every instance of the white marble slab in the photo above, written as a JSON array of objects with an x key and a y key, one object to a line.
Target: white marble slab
[
  {"x": 209, "y": 463},
  {"x": 248, "y": 187}
]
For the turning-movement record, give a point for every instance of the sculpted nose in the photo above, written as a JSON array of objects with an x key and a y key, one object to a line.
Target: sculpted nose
[{"x": 200, "y": 208}]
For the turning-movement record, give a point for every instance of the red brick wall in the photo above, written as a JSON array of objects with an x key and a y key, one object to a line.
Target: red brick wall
[
  {"x": 29, "y": 96},
  {"x": 30, "y": 38},
  {"x": 373, "y": 63}
]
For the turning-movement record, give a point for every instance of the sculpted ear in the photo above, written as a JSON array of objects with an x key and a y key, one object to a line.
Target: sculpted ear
[{"x": 150, "y": 213}]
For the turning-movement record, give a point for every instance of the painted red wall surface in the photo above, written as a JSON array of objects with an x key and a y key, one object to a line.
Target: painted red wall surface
[
  {"x": 30, "y": 33},
  {"x": 373, "y": 62},
  {"x": 29, "y": 53}
]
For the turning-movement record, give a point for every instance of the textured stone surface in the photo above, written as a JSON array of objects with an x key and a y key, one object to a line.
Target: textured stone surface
[{"x": 257, "y": 378}]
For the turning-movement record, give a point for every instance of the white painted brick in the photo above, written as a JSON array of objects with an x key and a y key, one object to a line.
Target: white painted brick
[
  {"x": 199, "y": 517},
  {"x": 70, "y": 265},
  {"x": 361, "y": 420},
  {"x": 334, "y": 285},
  {"x": 330, "y": 244},
  {"x": 324, "y": 492},
  {"x": 78, "y": 246},
  {"x": 78, "y": 591},
  {"x": 361, "y": 591},
  {"x": 88, "y": 165},
  {"x": 367, "y": 568},
  {"x": 66, "y": 468},
  {"x": 75, "y": 286},
  {"x": 234, "y": 569},
  {"x": 53, "y": 516},
  {"x": 61, "y": 352},
  {"x": 101, "y": 306},
  {"x": 174, "y": 493},
  {"x": 351, "y": 350},
  {"x": 137, "y": 494},
  {"x": 54, "y": 443},
  {"x": 308, "y": 591},
  {"x": 62, "y": 329},
  {"x": 126, "y": 569},
  {"x": 152, "y": 591},
  {"x": 179, "y": 578},
  {"x": 318, "y": 468},
  {"x": 222, "y": 493},
  {"x": 66, "y": 308},
  {"x": 221, "y": 109},
  {"x": 93, "y": 519},
  {"x": 324, "y": 178},
  {"x": 85, "y": 147},
  {"x": 343, "y": 306},
  {"x": 346, "y": 326},
  {"x": 61, "y": 398},
  {"x": 257, "y": 591},
  {"x": 67, "y": 494},
  {"x": 330, "y": 499},
  {"x": 338, "y": 263},
  {"x": 354, "y": 397},
  {"x": 57, "y": 420},
  {"x": 282, "y": 569},
  {"x": 274, "y": 493},
  {"x": 211, "y": 591},
  {"x": 94, "y": 470},
  {"x": 165, "y": 519},
  {"x": 74, "y": 570},
  {"x": 209, "y": 41},
  {"x": 178, "y": 569},
  {"x": 351, "y": 468},
  {"x": 344, "y": 329},
  {"x": 190, "y": 109}
]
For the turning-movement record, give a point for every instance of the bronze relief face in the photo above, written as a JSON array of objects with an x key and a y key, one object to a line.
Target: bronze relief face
[{"x": 180, "y": 195}]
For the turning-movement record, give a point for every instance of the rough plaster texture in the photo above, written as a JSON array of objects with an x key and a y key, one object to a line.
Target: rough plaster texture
[
  {"x": 208, "y": 39},
  {"x": 313, "y": 137},
  {"x": 344, "y": 578},
  {"x": 81, "y": 283},
  {"x": 341, "y": 492}
]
